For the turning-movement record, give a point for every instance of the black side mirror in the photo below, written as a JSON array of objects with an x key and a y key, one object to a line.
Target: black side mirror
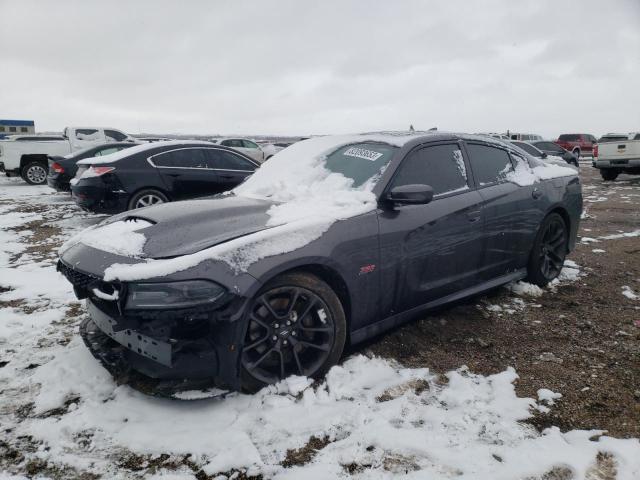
[
  {"x": 544, "y": 155},
  {"x": 410, "y": 194}
]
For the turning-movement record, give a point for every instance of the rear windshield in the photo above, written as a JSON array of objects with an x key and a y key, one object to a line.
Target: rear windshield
[
  {"x": 613, "y": 138},
  {"x": 361, "y": 162}
]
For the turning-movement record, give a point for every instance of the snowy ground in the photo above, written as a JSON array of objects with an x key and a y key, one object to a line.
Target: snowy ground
[{"x": 62, "y": 415}]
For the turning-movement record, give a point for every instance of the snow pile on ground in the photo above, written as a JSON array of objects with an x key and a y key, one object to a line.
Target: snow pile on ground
[
  {"x": 548, "y": 396},
  {"x": 309, "y": 199},
  {"x": 524, "y": 174},
  {"x": 629, "y": 293},
  {"x": 121, "y": 237},
  {"x": 570, "y": 273},
  {"x": 371, "y": 412}
]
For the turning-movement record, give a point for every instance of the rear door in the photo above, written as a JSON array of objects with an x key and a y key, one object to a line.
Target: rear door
[
  {"x": 433, "y": 250},
  {"x": 512, "y": 213},
  {"x": 231, "y": 169},
  {"x": 185, "y": 172}
]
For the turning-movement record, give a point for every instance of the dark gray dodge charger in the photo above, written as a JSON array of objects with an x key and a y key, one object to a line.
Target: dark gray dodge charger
[{"x": 333, "y": 240}]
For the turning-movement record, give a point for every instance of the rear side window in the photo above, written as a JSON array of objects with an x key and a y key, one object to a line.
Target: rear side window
[
  {"x": 569, "y": 137},
  {"x": 232, "y": 143},
  {"x": 87, "y": 134},
  {"x": 115, "y": 136},
  {"x": 184, "y": 158},
  {"x": 489, "y": 164},
  {"x": 222, "y": 160},
  {"x": 249, "y": 144},
  {"x": 440, "y": 166}
]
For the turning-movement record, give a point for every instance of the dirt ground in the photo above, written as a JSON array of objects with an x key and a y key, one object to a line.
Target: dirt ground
[{"x": 582, "y": 341}]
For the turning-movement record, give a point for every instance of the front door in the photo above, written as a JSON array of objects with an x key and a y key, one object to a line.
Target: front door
[
  {"x": 433, "y": 250},
  {"x": 186, "y": 173}
]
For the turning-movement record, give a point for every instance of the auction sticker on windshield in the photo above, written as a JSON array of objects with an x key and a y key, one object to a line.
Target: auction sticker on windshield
[{"x": 362, "y": 153}]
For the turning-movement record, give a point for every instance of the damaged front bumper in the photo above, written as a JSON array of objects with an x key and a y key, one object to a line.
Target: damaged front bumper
[{"x": 183, "y": 349}]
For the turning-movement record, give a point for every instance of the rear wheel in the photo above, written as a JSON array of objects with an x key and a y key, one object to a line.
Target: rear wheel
[
  {"x": 549, "y": 251},
  {"x": 609, "y": 174},
  {"x": 147, "y": 198},
  {"x": 296, "y": 326},
  {"x": 34, "y": 173}
]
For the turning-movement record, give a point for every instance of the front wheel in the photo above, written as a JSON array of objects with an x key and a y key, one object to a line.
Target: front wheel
[
  {"x": 296, "y": 326},
  {"x": 34, "y": 173},
  {"x": 609, "y": 174},
  {"x": 147, "y": 198},
  {"x": 549, "y": 251}
]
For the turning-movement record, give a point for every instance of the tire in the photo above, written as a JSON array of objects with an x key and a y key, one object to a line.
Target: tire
[
  {"x": 549, "y": 251},
  {"x": 295, "y": 325},
  {"x": 147, "y": 198},
  {"x": 34, "y": 173},
  {"x": 609, "y": 174}
]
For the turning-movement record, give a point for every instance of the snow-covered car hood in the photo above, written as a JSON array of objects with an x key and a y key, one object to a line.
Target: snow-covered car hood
[{"x": 187, "y": 227}]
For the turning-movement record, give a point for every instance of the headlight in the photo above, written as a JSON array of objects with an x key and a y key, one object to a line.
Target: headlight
[{"x": 186, "y": 294}]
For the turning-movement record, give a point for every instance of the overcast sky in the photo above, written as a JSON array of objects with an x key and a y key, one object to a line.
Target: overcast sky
[{"x": 302, "y": 67}]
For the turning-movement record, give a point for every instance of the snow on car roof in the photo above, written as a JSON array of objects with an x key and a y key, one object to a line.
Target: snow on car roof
[{"x": 127, "y": 152}]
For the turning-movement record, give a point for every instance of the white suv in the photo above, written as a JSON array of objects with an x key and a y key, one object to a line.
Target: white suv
[{"x": 248, "y": 147}]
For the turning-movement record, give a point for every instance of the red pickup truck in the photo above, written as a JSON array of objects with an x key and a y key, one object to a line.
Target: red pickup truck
[{"x": 580, "y": 144}]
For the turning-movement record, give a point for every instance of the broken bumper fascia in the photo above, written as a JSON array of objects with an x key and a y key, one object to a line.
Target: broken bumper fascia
[{"x": 171, "y": 350}]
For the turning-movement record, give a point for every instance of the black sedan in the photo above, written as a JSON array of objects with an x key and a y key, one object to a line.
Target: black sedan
[
  {"x": 551, "y": 148},
  {"x": 334, "y": 240},
  {"x": 156, "y": 173},
  {"x": 63, "y": 169}
]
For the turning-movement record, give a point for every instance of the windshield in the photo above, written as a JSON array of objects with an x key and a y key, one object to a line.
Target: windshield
[
  {"x": 78, "y": 153},
  {"x": 360, "y": 162}
]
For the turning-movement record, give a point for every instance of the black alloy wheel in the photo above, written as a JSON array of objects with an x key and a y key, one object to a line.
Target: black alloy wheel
[
  {"x": 549, "y": 251},
  {"x": 296, "y": 326}
]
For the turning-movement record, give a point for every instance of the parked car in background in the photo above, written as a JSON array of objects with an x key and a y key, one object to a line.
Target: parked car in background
[
  {"x": 614, "y": 157},
  {"x": 270, "y": 281},
  {"x": 536, "y": 152},
  {"x": 155, "y": 173},
  {"x": 63, "y": 169},
  {"x": 248, "y": 147},
  {"x": 551, "y": 148},
  {"x": 524, "y": 136},
  {"x": 27, "y": 155},
  {"x": 580, "y": 144}
]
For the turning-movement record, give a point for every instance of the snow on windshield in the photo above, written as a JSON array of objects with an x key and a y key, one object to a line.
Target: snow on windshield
[{"x": 310, "y": 198}]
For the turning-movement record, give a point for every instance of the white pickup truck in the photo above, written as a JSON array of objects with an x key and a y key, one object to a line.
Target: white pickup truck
[
  {"x": 614, "y": 155},
  {"x": 26, "y": 155}
]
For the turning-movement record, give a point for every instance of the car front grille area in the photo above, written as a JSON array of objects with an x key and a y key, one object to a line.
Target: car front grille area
[
  {"x": 77, "y": 279},
  {"x": 84, "y": 284}
]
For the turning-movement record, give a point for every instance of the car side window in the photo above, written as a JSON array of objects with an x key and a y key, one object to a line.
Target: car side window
[
  {"x": 490, "y": 164},
  {"x": 219, "y": 159},
  {"x": 232, "y": 143},
  {"x": 87, "y": 134},
  {"x": 440, "y": 166},
  {"x": 183, "y": 158},
  {"x": 249, "y": 144},
  {"x": 115, "y": 136}
]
